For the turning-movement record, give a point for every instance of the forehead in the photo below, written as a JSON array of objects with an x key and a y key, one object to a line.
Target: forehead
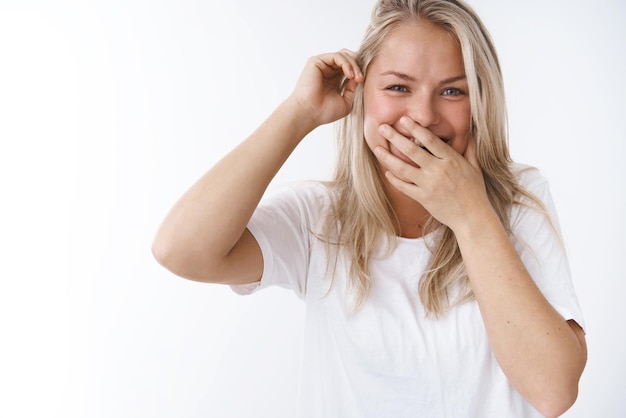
[{"x": 417, "y": 48}]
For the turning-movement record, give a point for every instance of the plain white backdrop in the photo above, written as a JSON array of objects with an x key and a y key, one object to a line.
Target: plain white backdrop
[{"x": 109, "y": 110}]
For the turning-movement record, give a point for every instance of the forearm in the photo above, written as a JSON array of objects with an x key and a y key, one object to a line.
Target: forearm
[
  {"x": 535, "y": 347},
  {"x": 204, "y": 235},
  {"x": 209, "y": 219}
]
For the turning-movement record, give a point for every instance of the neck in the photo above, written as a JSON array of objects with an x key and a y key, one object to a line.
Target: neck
[{"x": 410, "y": 216}]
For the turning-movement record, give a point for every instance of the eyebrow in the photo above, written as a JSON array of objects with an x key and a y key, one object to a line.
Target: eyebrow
[
  {"x": 407, "y": 77},
  {"x": 399, "y": 75},
  {"x": 453, "y": 79}
]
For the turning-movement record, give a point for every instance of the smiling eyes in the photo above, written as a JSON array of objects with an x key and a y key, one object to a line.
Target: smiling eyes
[
  {"x": 398, "y": 87},
  {"x": 449, "y": 91},
  {"x": 452, "y": 92}
]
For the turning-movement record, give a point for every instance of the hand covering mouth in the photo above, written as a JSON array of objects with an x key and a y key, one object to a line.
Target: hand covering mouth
[{"x": 419, "y": 144}]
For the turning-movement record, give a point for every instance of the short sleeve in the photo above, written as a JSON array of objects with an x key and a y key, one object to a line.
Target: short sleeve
[
  {"x": 281, "y": 225},
  {"x": 537, "y": 238}
]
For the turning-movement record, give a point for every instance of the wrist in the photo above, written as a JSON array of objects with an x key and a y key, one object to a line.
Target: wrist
[
  {"x": 306, "y": 114},
  {"x": 479, "y": 225},
  {"x": 283, "y": 130}
]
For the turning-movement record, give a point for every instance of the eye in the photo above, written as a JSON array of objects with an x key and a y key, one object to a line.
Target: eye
[
  {"x": 398, "y": 87},
  {"x": 452, "y": 91}
]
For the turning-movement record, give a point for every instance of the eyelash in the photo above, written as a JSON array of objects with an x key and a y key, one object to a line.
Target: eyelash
[
  {"x": 454, "y": 91},
  {"x": 449, "y": 91},
  {"x": 398, "y": 87}
]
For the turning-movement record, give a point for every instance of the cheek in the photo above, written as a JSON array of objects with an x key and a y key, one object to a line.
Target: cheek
[
  {"x": 377, "y": 112},
  {"x": 371, "y": 123},
  {"x": 370, "y": 129},
  {"x": 460, "y": 144},
  {"x": 462, "y": 131},
  {"x": 383, "y": 110}
]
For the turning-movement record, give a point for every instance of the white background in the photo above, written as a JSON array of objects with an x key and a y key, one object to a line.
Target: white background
[{"x": 109, "y": 110}]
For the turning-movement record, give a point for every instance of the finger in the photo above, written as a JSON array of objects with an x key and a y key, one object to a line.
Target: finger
[
  {"x": 406, "y": 146},
  {"x": 399, "y": 168},
  {"x": 348, "y": 52},
  {"x": 348, "y": 90},
  {"x": 345, "y": 62},
  {"x": 332, "y": 65},
  {"x": 412, "y": 190},
  {"x": 351, "y": 58},
  {"x": 349, "y": 84},
  {"x": 433, "y": 144},
  {"x": 328, "y": 65}
]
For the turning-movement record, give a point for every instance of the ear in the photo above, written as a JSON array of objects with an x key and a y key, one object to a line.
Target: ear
[{"x": 470, "y": 153}]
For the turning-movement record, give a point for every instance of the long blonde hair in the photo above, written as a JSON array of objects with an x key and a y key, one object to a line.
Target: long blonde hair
[{"x": 362, "y": 215}]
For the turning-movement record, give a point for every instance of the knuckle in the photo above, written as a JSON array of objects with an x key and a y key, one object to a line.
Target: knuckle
[
  {"x": 404, "y": 171},
  {"x": 430, "y": 139},
  {"x": 411, "y": 150}
]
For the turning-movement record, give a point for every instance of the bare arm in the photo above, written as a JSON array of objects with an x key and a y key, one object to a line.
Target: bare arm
[
  {"x": 204, "y": 236},
  {"x": 542, "y": 355}
]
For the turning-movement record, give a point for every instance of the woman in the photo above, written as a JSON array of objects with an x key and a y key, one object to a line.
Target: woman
[{"x": 434, "y": 278}]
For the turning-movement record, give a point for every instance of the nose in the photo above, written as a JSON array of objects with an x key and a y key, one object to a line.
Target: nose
[{"x": 423, "y": 110}]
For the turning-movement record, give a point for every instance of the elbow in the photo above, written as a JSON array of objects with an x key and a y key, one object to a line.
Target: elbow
[
  {"x": 558, "y": 391},
  {"x": 177, "y": 261},
  {"x": 164, "y": 253},
  {"x": 161, "y": 252},
  {"x": 187, "y": 262},
  {"x": 558, "y": 406},
  {"x": 556, "y": 400}
]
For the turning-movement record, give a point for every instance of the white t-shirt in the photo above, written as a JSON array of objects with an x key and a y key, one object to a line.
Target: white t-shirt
[{"x": 389, "y": 359}]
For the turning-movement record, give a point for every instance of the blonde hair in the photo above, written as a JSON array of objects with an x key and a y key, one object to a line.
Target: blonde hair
[{"x": 362, "y": 215}]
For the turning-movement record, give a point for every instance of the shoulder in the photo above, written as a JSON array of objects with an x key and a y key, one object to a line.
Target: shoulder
[
  {"x": 306, "y": 201},
  {"x": 531, "y": 180},
  {"x": 528, "y": 177},
  {"x": 305, "y": 193},
  {"x": 534, "y": 206}
]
